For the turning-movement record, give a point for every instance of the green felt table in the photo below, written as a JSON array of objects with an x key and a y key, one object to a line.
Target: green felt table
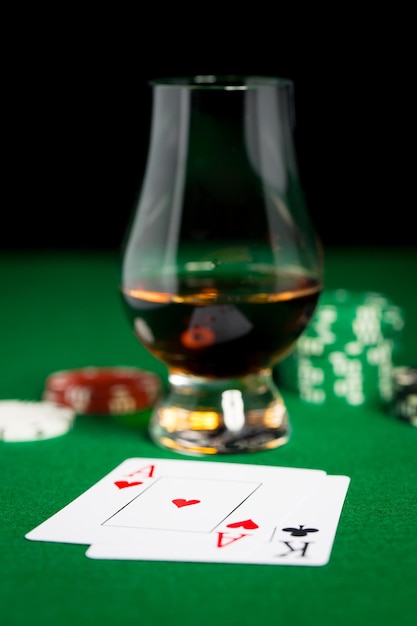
[{"x": 61, "y": 310}]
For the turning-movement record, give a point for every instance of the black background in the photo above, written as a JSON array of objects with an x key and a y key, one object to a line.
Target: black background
[{"x": 78, "y": 112}]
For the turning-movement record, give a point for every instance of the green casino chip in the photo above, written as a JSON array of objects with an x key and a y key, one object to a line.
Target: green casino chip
[{"x": 348, "y": 351}]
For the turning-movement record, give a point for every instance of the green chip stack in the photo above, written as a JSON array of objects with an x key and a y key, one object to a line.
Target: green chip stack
[{"x": 348, "y": 351}]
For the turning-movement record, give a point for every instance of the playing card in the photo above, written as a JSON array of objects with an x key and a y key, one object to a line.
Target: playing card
[
  {"x": 304, "y": 537},
  {"x": 157, "y": 507},
  {"x": 226, "y": 322},
  {"x": 157, "y": 501}
]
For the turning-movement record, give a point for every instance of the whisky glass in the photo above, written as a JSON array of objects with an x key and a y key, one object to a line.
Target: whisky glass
[{"x": 221, "y": 265}]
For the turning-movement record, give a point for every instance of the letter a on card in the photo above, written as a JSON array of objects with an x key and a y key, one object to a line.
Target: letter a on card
[
  {"x": 224, "y": 539},
  {"x": 146, "y": 471}
]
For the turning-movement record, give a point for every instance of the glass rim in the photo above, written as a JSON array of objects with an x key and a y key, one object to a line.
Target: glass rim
[{"x": 232, "y": 82}]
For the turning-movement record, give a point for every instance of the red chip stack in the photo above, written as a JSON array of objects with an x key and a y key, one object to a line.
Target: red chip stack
[{"x": 103, "y": 390}]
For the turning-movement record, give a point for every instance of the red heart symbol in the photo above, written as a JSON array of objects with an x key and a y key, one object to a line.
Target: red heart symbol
[
  {"x": 125, "y": 483},
  {"x": 248, "y": 523},
  {"x": 179, "y": 502}
]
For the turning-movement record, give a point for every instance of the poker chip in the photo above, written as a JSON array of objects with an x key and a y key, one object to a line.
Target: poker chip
[
  {"x": 404, "y": 401},
  {"x": 30, "y": 421},
  {"x": 103, "y": 390},
  {"x": 348, "y": 351}
]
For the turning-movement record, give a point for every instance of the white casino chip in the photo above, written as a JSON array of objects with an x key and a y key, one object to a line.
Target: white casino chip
[{"x": 29, "y": 421}]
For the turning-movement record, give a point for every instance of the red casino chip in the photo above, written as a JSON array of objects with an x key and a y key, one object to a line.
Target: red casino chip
[{"x": 102, "y": 390}]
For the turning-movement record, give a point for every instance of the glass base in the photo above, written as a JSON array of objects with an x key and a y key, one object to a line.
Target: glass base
[{"x": 199, "y": 416}]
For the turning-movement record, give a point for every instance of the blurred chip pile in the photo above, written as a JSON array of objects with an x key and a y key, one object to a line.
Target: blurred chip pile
[
  {"x": 115, "y": 391},
  {"x": 103, "y": 391},
  {"x": 22, "y": 420},
  {"x": 404, "y": 397},
  {"x": 348, "y": 351}
]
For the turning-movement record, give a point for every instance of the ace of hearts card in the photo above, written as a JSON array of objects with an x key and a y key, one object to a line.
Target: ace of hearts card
[{"x": 181, "y": 510}]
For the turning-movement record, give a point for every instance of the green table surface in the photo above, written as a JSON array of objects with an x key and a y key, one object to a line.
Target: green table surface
[{"x": 61, "y": 310}]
